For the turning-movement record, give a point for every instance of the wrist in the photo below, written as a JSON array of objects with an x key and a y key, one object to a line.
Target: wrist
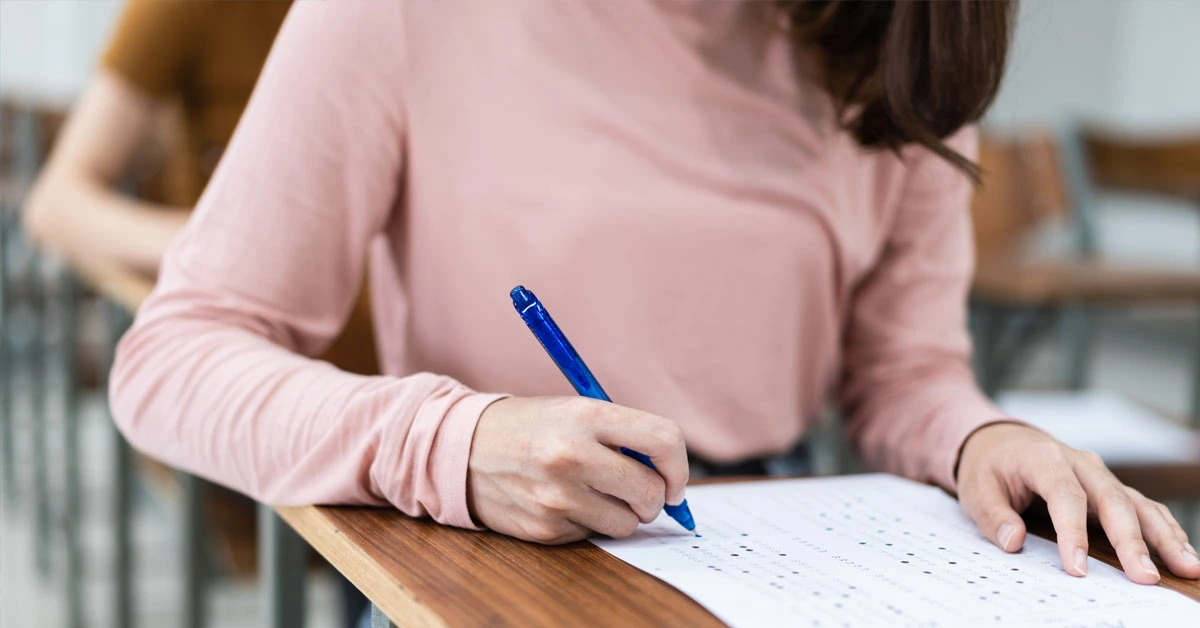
[{"x": 978, "y": 440}]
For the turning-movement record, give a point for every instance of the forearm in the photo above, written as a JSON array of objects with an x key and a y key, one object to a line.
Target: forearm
[
  {"x": 92, "y": 224},
  {"x": 205, "y": 394}
]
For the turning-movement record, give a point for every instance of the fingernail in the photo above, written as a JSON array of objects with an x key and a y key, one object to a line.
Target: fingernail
[
  {"x": 1005, "y": 534},
  {"x": 1081, "y": 561},
  {"x": 1191, "y": 549},
  {"x": 1188, "y": 557},
  {"x": 1148, "y": 564}
]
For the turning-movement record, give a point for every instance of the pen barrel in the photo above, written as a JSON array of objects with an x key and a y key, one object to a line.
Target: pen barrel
[
  {"x": 565, "y": 357},
  {"x": 640, "y": 457}
]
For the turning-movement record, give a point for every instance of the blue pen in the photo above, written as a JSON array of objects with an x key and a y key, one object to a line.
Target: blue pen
[{"x": 576, "y": 372}]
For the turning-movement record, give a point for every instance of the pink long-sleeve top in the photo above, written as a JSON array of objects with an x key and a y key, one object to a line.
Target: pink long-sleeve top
[{"x": 719, "y": 251}]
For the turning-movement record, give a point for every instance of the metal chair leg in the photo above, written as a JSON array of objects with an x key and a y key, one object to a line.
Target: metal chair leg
[
  {"x": 7, "y": 433},
  {"x": 8, "y": 484},
  {"x": 282, "y": 561},
  {"x": 36, "y": 366},
  {"x": 195, "y": 572},
  {"x": 122, "y": 532},
  {"x": 123, "y": 603},
  {"x": 987, "y": 322},
  {"x": 67, "y": 339},
  {"x": 1078, "y": 325},
  {"x": 379, "y": 620}
]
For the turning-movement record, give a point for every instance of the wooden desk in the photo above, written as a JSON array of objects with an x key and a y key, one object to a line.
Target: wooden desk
[
  {"x": 1162, "y": 482},
  {"x": 419, "y": 573}
]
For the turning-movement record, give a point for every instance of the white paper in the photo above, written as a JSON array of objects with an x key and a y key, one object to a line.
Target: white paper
[
  {"x": 1120, "y": 431},
  {"x": 876, "y": 550}
]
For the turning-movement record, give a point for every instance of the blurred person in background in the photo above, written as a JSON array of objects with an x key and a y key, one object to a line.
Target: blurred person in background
[
  {"x": 175, "y": 77},
  {"x": 734, "y": 208}
]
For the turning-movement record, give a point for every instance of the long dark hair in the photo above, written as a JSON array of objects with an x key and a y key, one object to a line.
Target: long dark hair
[{"x": 907, "y": 71}]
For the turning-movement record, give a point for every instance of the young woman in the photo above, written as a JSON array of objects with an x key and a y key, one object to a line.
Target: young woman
[{"x": 734, "y": 208}]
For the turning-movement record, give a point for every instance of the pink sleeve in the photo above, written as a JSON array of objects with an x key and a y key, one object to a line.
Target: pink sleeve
[
  {"x": 213, "y": 379},
  {"x": 908, "y": 389}
]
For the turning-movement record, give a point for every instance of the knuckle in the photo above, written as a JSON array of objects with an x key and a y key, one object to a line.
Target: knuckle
[
  {"x": 1130, "y": 541},
  {"x": 1052, "y": 450},
  {"x": 580, "y": 410},
  {"x": 1115, "y": 500},
  {"x": 1090, "y": 458},
  {"x": 629, "y": 527},
  {"x": 667, "y": 435},
  {"x": 624, "y": 526},
  {"x": 647, "y": 516},
  {"x": 552, "y": 499},
  {"x": 652, "y": 493},
  {"x": 1167, "y": 516},
  {"x": 1072, "y": 491},
  {"x": 544, "y": 532},
  {"x": 586, "y": 406},
  {"x": 991, "y": 518},
  {"x": 555, "y": 454}
]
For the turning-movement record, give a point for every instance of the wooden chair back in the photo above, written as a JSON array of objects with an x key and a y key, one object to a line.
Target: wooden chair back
[
  {"x": 1023, "y": 187},
  {"x": 1168, "y": 166}
]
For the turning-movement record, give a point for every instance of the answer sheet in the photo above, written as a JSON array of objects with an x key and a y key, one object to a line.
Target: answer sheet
[{"x": 875, "y": 550}]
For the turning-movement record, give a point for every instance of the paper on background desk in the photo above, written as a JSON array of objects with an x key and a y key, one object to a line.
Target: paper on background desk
[
  {"x": 875, "y": 550},
  {"x": 1117, "y": 429}
]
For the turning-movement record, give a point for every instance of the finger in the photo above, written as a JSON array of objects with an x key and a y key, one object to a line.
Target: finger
[
  {"x": 1066, "y": 500},
  {"x": 630, "y": 481},
  {"x": 1115, "y": 509},
  {"x": 547, "y": 516},
  {"x": 1161, "y": 537},
  {"x": 1175, "y": 527},
  {"x": 660, "y": 439},
  {"x": 988, "y": 505},
  {"x": 605, "y": 515},
  {"x": 554, "y": 531}
]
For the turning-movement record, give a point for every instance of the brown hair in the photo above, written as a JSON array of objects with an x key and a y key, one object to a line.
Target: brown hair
[{"x": 908, "y": 71}]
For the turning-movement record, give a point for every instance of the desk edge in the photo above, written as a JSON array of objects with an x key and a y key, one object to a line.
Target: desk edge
[{"x": 396, "y": 601}]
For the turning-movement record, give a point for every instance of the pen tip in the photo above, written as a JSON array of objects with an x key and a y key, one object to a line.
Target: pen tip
[{"x": 696, "y": 532}]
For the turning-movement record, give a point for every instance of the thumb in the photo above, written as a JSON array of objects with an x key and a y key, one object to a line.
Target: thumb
[{"x": 987, "y": 504}]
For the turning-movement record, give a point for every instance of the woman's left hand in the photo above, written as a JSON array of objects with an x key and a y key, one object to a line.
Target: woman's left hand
[{"x": 1003, "y": 465}]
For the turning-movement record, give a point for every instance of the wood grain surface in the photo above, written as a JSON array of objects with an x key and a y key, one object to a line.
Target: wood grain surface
[
  {"x": 420, "y": 573},
  {"x": 1055, "y": 283},
  {"x": 1162, "y": 482}
]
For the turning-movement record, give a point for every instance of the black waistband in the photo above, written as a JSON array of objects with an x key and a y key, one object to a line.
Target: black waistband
[{"x": 794, "y": 461}]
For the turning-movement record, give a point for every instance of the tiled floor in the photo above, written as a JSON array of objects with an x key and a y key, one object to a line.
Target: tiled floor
[{"x": 1148, "y": 360}]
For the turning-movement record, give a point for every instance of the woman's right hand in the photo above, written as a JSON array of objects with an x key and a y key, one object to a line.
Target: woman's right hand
[{"x": 547, "y": 469}]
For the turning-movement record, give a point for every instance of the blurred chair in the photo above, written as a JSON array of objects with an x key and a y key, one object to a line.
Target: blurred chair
[
  {"x": 1035, "y": 181},
  {"x": 1156, "y": 166},
  {"x": 37, "y": 331}
]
